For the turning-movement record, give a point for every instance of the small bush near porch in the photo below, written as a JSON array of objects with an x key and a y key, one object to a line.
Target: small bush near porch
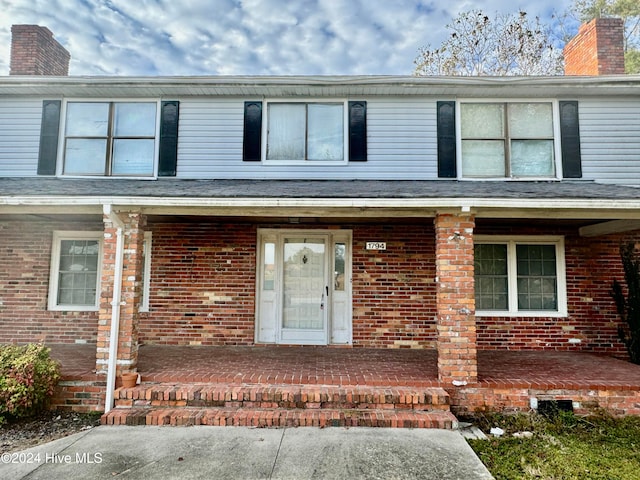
[
  {"x": 27, "y": 379},
  {"x": 565, "y": 446}
]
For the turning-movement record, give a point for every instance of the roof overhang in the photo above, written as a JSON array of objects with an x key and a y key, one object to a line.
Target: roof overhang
[{"x": 320, "y": 86}]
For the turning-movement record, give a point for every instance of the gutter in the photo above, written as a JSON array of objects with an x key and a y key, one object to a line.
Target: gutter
[{"x": 115, "y": 308}]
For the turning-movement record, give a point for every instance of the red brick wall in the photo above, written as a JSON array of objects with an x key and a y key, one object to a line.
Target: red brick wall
[
  {"x": 597, "y": 49},
  {"x": 25, "y": 259},
  {"x": 394, "y": 291},
  {"x": 591, "y": 265},
  {"x": 34, "y": 51},
  {"x": 203, "y": 286}
]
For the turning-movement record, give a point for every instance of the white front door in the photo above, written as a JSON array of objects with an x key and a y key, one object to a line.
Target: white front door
[{"x": 303, "y": 287}]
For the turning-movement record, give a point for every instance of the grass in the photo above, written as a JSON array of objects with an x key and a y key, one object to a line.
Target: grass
[{"x": 563, "y": 446}]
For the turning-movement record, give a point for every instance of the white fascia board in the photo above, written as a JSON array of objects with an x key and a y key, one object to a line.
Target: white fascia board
[{"x": 464, "y": 204}]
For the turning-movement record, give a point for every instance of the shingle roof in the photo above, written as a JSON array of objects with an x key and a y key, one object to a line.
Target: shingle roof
[{"x": 299, "y": 189}]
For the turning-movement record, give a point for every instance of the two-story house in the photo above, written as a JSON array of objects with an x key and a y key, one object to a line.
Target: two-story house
[{"x": 455, "y": 215}]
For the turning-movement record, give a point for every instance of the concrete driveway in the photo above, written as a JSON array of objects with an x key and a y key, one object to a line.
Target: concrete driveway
[{"x": 249, "y": 453}]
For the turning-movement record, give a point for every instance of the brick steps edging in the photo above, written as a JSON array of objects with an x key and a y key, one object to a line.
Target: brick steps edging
[
  {"x": 253, "y": 417},
  {"x": 282, "y": 396}
]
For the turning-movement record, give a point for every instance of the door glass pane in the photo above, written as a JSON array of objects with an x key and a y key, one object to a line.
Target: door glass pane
[
  {"x": 269, "y": 266},
  {"x": 304, "y": 295},
  {"x": 286, "y": 134},
  {"x": 338, "y": 267},
  {"x": 325, "y": 132}
]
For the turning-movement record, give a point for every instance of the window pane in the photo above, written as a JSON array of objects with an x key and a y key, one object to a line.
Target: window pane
[
  {"x": 537, "y": 281},
  {"x": 530, "y": 120},
  {"x": 87, "y": 119},
  {"x": 269, "y": 267},
  {"x": 532, "y": 158},
  {"x": 286, "y": 134},
  {"x": 491, "y": 279},
  {"x": 77, "y": 275},
  {"x": 326, "y": 130},
  {"x": 135, "y": 119},
  {"x": 482, "y": 120},
  {"x": 338, "y": 268},
  {"x": 133, "y": 157},
  {"x": 483, "y": 158},
  {"x": 85, "y": 156}
]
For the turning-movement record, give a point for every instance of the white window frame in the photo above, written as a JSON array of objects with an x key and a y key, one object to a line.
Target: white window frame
[
  {"x": 557, "y": 152},
  {"x": 63, "y": 128},
  {"x": 146, "y": 272},
  {"x": 512, "y": 277},
  {"x": 58, "y": 237},
  {"x": 306, "y": 101}
]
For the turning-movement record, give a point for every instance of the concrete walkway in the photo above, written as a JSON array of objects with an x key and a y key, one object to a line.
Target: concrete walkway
[{"x": 249, "y": 453}]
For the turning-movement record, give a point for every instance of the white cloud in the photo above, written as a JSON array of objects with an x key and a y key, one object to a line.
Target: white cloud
[{"x": 243, "y": 37}]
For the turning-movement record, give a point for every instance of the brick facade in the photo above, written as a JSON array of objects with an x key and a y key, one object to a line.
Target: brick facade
[
  {"x": 597, "y": 49},
  {"x": 25, "y": 262},
  {"x": 34, "y": 51},
  {"x": 203, "y": 288}
]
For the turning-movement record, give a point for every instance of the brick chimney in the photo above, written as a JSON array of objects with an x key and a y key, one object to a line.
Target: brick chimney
[
  {"x": 34, "y": 51},
  {"x": 597, "y": 49}
]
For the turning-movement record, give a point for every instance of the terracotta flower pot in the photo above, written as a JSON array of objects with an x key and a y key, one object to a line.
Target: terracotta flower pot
[{"x": 129, "y": 379}]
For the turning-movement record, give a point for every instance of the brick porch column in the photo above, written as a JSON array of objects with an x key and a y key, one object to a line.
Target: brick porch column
[
  {"x": 133, "y": 233},
  {"x": 456, "y": 323}
]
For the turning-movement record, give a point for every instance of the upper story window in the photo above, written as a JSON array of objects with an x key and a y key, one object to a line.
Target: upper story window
[
  {"x": 110, "y": 138},
  {"x": 507, "y": 140},
  {"x": 286, "y": 131},
  {"x": 305, "y": 131}
]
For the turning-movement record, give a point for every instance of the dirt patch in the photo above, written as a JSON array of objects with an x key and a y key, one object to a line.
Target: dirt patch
[{"x": 26, "y": 433}]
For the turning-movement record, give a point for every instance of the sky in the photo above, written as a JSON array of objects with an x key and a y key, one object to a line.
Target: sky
[{"x": 248, "y": 37}]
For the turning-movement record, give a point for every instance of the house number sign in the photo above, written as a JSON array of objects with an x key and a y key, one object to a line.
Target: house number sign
[{"x": 376, "y": 245}]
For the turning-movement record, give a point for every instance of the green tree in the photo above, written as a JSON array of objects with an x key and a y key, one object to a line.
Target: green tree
[
  {"x": 505, "y": 45},
  {"x": 629, "y": 11}
]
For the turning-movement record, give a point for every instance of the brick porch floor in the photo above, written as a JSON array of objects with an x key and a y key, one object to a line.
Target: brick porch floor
[{"x": 341, "y": 366}]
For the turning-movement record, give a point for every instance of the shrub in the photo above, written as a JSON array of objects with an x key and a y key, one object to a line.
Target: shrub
[
  {"x": 28, "y": 377},
  {"x": 629, "y": 307}
]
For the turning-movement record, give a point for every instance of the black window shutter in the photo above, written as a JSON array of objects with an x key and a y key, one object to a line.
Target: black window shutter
[
  {"x": 252, "y": 142},
  {"x": 570, "y": 140},
  {"x": 357, "y": 131},
  {"x": 168, "y": 161},
  {"x": 49, "y": 129},
  {"x": 446, "y": 139}
]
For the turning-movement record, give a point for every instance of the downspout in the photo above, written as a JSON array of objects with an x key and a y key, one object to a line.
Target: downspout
[{"x": 115, "y": 307}]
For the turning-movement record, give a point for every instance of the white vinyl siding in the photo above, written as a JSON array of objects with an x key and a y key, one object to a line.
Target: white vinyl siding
[
  {"x": 610, "y": 140},
  {"x": 19, "y": 136},
  {"x": 401, "y": 133}
]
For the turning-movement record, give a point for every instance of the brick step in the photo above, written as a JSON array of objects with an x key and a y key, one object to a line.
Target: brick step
[
  {"x": 273, "y": 417},
  {"x": 282, "y": 396}
]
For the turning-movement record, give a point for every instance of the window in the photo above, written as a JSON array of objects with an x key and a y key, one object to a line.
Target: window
[
  {"x": 75, "y": 271},
  {"x": 146, "y": 272},
  {"x": 523, "y": 276},
  {"x": 305, "y": 131},
  {"x": 108, "y": 138},
  {"x": 509, "y": 140}
]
